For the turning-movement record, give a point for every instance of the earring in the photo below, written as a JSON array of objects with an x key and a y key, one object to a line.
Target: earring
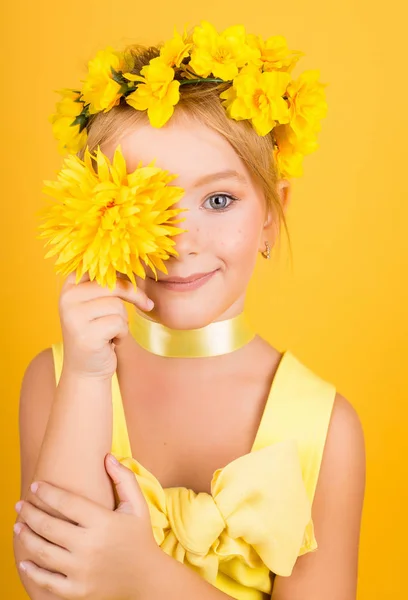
[{"x": 267, "y": 253}]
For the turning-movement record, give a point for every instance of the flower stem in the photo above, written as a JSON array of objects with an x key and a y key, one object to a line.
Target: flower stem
[{"x": 214, "y": 80}]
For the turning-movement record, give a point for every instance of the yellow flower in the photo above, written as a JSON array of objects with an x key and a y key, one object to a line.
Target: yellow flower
[
  {"x": 107, "y": 220},
  {"x": 175, "y": 50},
  {"x": 259, "y": 97},
  {"x": 69, "y": 136},
  {"x": 100, "y": 90},
  {"x": 220, "y": 54},
  {"x": 274, "y": 53},
  {"x": 291, "y": 150},
  {"x": 157, "y": 91},
  {"x": 307, "y": 103}
]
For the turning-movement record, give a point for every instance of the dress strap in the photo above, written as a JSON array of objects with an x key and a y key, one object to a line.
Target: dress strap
[
  {"x": 58, "y": 355},
  {"x": 120, "y": 437},
  {"x": 120, "y": 440},
  {"x": 299, "y": 407}
]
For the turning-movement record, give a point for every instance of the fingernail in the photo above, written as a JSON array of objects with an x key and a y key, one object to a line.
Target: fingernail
[
  {"x": 113, "y": 460},
  {"x": 19, "y": 505},
  {"x": 149, "y": 304},
  {"x": 23, "y": 566},
  {"x": 17, "y": 528},
  {"x": 34, "y": 487}
]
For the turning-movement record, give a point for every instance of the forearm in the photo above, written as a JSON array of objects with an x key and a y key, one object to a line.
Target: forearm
[
  {"x": 175, "y": 581},
  {"x": 78, "y": 435}
]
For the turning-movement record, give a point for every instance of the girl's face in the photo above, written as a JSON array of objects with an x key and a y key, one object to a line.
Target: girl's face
[{"x": 227, "y": 221}]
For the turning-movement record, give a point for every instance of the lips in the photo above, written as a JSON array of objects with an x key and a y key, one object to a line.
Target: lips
[
  {"x": 185, "y": 284},
  {"x": 189, "y": 279}
]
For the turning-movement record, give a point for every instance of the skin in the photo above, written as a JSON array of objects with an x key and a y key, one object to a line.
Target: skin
[{"x": 178, "y": 402}]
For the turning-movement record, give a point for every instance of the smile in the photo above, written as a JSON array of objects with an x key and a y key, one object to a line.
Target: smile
[{"x": 186, "y": 285}]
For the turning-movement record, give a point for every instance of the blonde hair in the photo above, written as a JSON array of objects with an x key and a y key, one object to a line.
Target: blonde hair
[{"x": 199, "y": 101}]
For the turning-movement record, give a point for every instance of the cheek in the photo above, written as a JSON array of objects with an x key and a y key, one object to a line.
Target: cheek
[{"x": 238, "y": 244}]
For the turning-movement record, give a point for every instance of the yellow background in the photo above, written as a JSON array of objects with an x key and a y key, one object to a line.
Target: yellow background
[{"x": 342, "y": 308}]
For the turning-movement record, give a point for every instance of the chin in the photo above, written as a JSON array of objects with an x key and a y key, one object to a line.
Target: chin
[{"x": 183, "y": 317}]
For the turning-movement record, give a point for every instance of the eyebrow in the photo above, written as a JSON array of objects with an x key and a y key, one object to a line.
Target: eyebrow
[{"x": 228, "y": 174}]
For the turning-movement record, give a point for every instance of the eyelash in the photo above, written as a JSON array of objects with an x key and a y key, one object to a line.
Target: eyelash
[{"x": 227, "y": 207}]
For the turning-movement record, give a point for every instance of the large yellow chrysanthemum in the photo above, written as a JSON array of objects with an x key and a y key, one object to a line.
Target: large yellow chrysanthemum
[
  {"x": 220, "y": 54},
  {"x": 107, "y": 220},
  {"x": 100, "y": 90},
  {"x": 157, "y": 91},
  {"x": 258, "y": 97},
  {"x": 69, "y": 136}
]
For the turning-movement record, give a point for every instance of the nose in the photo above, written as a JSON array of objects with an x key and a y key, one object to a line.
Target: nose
[{"x": 188, "y": 242}]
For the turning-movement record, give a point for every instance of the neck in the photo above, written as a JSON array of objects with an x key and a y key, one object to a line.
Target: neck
[{"x": 215, "y": 339}]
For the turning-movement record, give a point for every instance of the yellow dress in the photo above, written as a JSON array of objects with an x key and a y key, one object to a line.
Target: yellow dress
[{"x": 257, "y": 519}]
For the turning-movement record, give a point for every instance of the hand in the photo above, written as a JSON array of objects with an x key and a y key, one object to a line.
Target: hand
[
  {"x": 99, "y": 555},
  {"x": 94, "y": 320}
]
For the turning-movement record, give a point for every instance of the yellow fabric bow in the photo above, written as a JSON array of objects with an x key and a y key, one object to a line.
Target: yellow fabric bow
[{"x": 256, "y": 520}]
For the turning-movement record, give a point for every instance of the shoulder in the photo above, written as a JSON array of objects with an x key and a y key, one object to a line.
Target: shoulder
[
  {"x": 36, "y": 398},
  {"x": 39, "y": 372},
  {"x": 341, "y": 481},
  {"x": 37, "y": 386},
  {"x": 345, "y": 444},
  {"x": 43, "y": 362}
]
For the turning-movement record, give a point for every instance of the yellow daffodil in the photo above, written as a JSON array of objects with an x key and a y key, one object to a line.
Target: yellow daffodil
[
  {"x": 69, "y": 136},
  {"x": 157, "y": 91},
  {"x": 291, "y": 150},
  {"x": 289, "y": 163},
  {"x": 258, "y": 70},
  {"x": 100, "y": 90},
  {"x": 274, "y": 54},
  {"x": 106, "y": 220},
  {"x": 259, "y": 97},
  {"x": 175, "y": 50},
  {"x": 307, "y": 103},
  {"x": 220, "y": 54}
]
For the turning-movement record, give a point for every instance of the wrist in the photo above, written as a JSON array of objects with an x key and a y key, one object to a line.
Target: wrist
[
  {"x": 74, "y": 386},
  {"x": 73, "y": 377}
]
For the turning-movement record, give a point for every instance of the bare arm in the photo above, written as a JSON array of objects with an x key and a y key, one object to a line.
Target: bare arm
[
  {"x": 64, "y": 434},
  {"x": 331, "y": 571},
  {"x": 66, "y": 431}
]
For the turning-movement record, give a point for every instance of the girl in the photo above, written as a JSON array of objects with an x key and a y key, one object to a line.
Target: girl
[{"x": 240, "y": 472}]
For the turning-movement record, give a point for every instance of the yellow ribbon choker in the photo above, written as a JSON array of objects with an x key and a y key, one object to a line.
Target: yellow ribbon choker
[{"x": 220, "y": 337}]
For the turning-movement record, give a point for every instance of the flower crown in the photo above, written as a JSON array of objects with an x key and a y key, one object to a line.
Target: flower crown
[{"x": 256, "y": 71}]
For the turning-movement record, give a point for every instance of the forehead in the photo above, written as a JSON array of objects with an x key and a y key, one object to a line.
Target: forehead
[{"x": 184, "y": 147}]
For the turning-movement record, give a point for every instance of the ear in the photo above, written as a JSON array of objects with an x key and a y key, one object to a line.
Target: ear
[
  {"x": 271, "y": 226},
  {"x": 284, "y": 190}
]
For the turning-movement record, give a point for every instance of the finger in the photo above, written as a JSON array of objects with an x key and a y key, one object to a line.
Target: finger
[
  {"x": 113, "y": 328},
  {"x": 77, "y": 508},
  {"x": 48, "y": 556},
  {"x": 103, "y": 307},
  {"x": 71, "y": 279},
  {"x": 128, "y": 492},
  {"x": 50, "y": 528},
  {"x": 56, "y": 583},
  {"x": 124, "y": 289}
]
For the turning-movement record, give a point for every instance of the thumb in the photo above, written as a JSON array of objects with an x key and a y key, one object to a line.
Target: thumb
[{"x": 131, "y": 499}]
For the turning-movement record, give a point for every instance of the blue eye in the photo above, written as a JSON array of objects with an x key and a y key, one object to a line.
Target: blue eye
[{"x": 217, "y": 201}]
